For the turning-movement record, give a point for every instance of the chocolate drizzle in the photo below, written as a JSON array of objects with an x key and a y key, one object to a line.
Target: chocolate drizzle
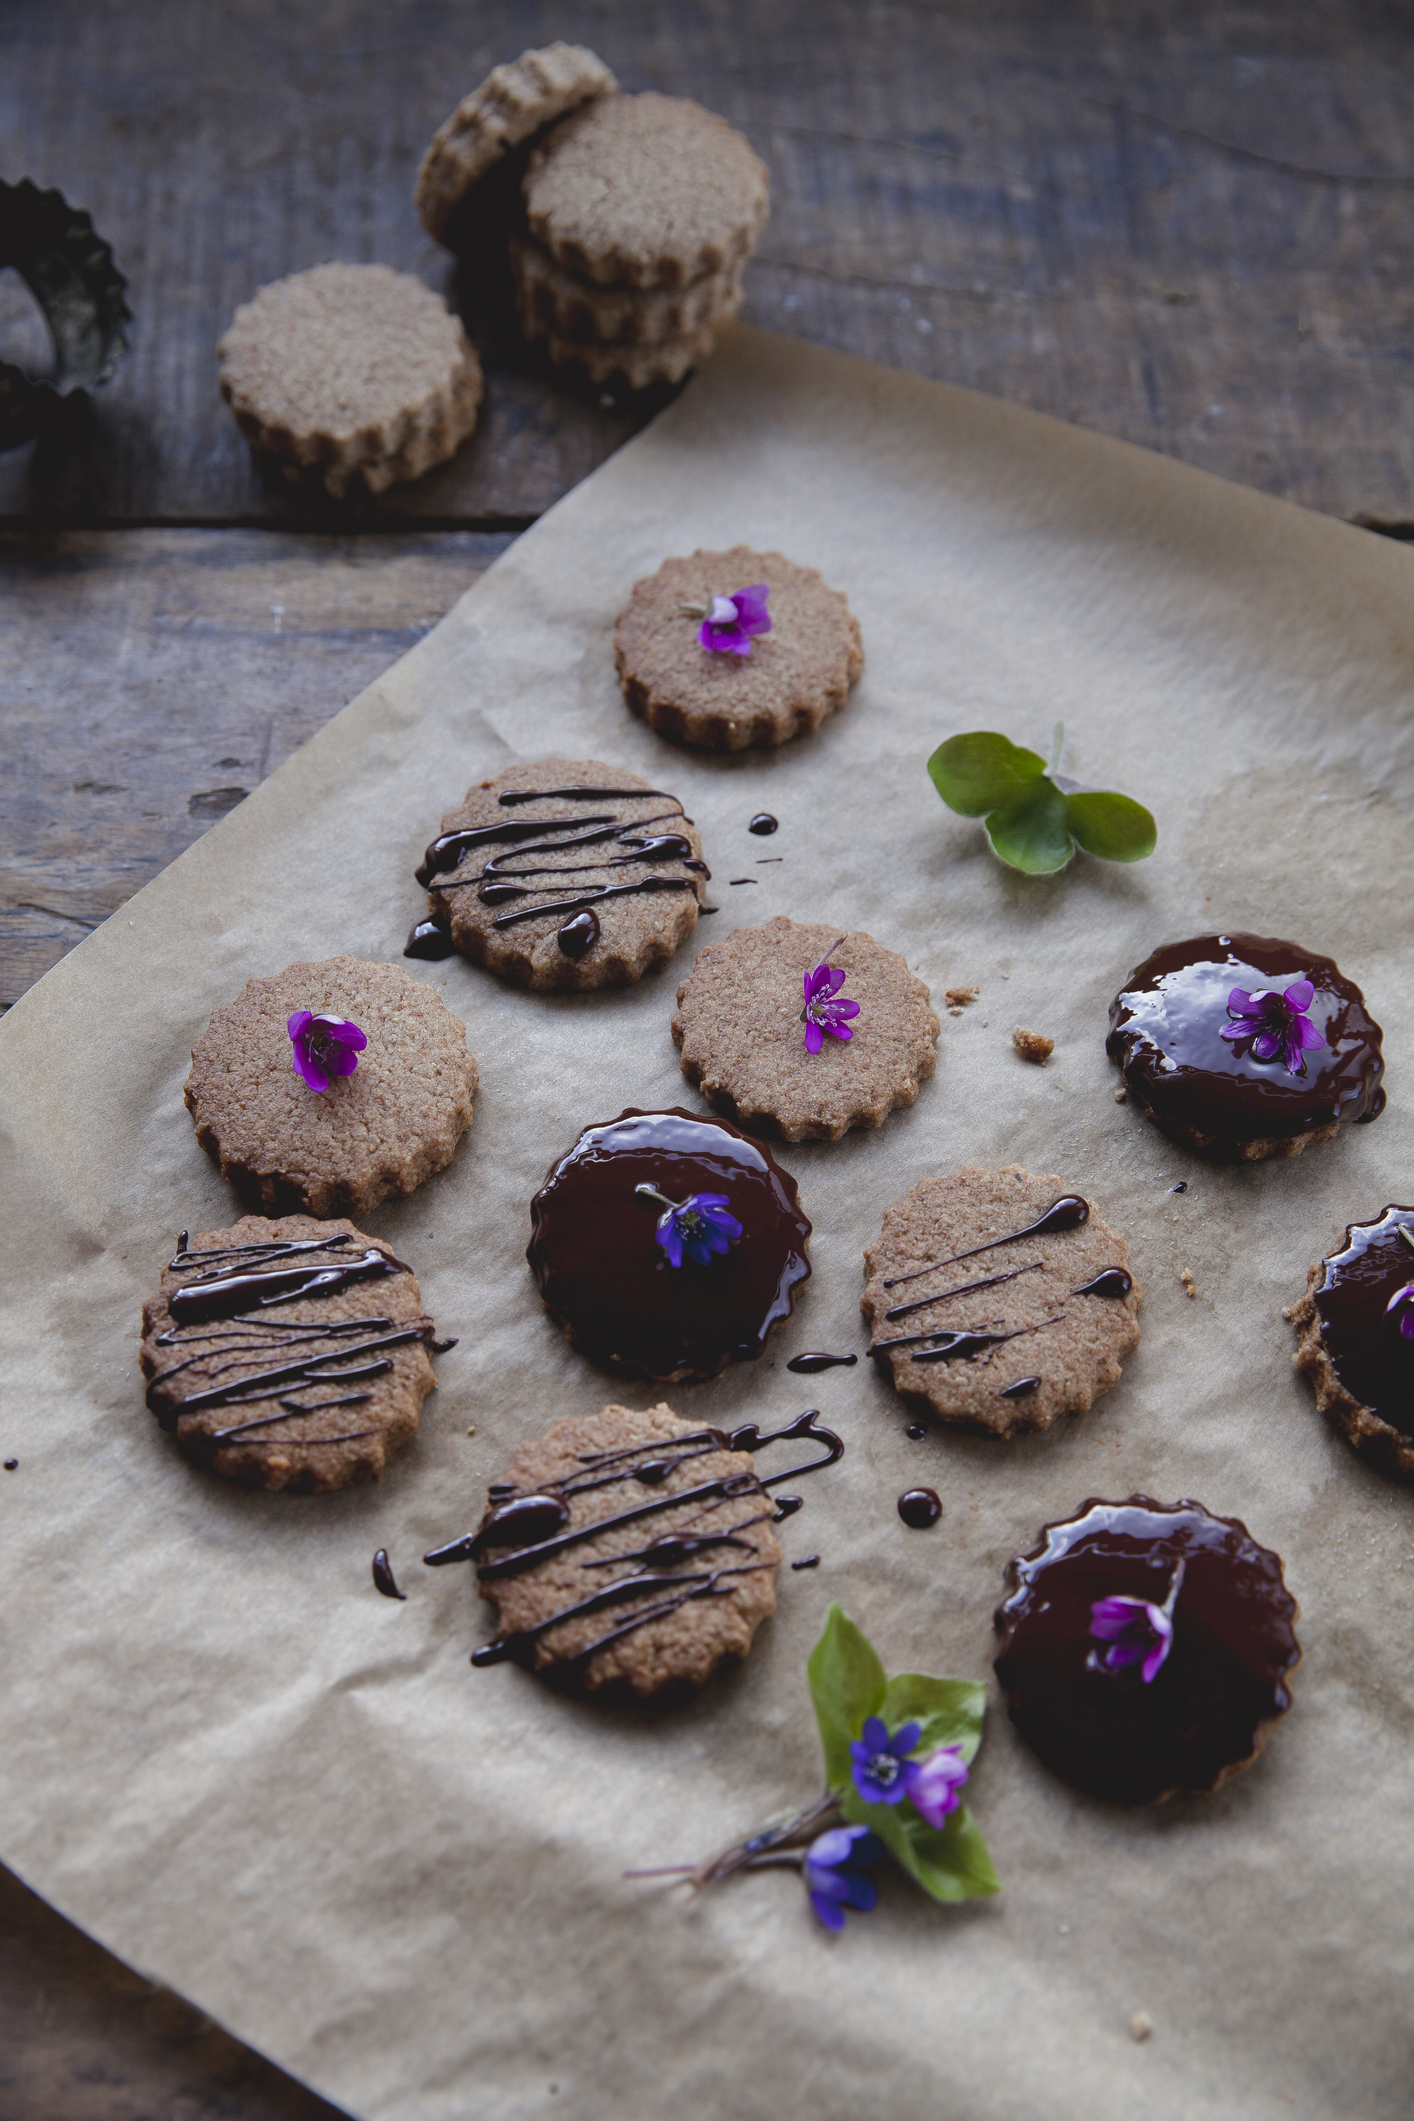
[
  {"x": 1022, "y": 1389},
  {"x": 806, "y": 1365},
  {"x": 920, "y": 1508},
  {"x": 1356, "y": 1299},
  {"x": 1224, "y": 1680},
  {"x": 1165, "y": 1033},
  {"x": 764, "y": 824},
  {"x": 383, "y": 1578},
  {"x": 431, "y": 939},
  {"x": 605, "y": 1278},
  {"x": 1113, "y": 1282},
  {"x": 1067, "y": 1213}
]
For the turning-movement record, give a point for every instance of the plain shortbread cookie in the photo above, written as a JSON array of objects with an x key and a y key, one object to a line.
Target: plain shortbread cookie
[{"x": 512, "y": 103}]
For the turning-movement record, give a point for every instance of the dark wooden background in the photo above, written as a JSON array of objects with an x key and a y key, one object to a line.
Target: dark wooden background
[{"x": 1190, "y": 225}]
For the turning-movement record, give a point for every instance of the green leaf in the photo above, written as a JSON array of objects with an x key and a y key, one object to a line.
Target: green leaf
[
  {"x": 950, "y": 1862},
  {"x": 1114, "y": 827},
  {"x": 846, "y": 1684},
  {"x": 982, "y": 771},
  {"x": 949, "y": 1710},
  {"x": 1031, "y": 833}
]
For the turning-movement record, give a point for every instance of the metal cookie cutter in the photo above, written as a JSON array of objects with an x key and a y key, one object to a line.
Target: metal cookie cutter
[{"x": 69, "y": 269}]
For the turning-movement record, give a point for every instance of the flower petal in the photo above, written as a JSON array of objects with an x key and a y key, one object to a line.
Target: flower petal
[
  {"x": 814, "y": 1037},
  {"x": 1109, "y": 1617},
  {"x": 1239, "y": 1003},
  {"x": 309, "y": 1070},
  {"x": 1267, "y": 1045},
  {"x": 840, "y": 1030},
  {"x": 1299, "y": 995},
  {"x": 905, "y": 1738},
  {"x": 1306, "y": 1033},
  {"x": 875, "y": 1734},
  {"x": 295, "y": 1024},
  {"x": 1235, "y": 1031}
]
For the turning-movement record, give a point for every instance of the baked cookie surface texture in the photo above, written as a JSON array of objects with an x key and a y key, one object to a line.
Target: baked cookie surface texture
[
  {"x": 792, "y": 678},
  {"x": 664, "y": 1294},
  {"x": 1146, "y": 1648},
  {"x": 287, "y": 1354},
  {"x": 378, "y": 1130},
  {"x": 1356, "y": 1339},
  {"x": 999, "y": 1299},
  {"x": 627, "y": 1551},
  {"x": 743, "y": 1027},
  {"x": 512, "y": 104},
  {"x": 1244, "y": 1046},
  {"x": 566, "y": 873},
  {"x": 354, "y": 371},
  {"x": 576, "y": 313}
]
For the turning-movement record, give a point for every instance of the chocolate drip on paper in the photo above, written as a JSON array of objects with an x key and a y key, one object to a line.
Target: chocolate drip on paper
[
  {"x": 383, "y": 1578},
  {"x": 920, "y": 1508},
  {"x": 430, "y": 939},
  {"x": 806, "y": 1365}
]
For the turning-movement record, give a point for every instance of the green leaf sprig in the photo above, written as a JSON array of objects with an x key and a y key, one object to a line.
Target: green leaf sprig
[{"x": 1034, "y": 817}]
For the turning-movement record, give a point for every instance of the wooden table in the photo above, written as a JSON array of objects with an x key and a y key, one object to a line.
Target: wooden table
[{"x": 1192, "y": 227}]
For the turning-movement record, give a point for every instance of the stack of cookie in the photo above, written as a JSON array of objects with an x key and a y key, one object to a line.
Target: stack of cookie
[{"x": 638, "y": 212}]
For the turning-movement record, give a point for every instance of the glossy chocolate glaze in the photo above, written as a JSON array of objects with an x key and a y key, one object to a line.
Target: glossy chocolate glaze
[
  {"x": 1359, "y": 1331},
  {"x": 384, "y": 1581},
  {"x": 430, "y": 939},
  {"x": 1223, "y": 1680},
  {"x": 807, "y": 1365},
  {"x": 1165, "y": 1033},
  {"x": 920, "y": 1508},
  {"x": 1067, "y": 1213},
  {"x": 605, "y": 1278},
  {"x": 763, "y": 823}
]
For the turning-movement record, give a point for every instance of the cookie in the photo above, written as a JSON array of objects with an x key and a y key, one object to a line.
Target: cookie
[
  {"x": 722, "y": 699},
  {"x": 353, "y": 370},
  {"x": 288, "y": 1354},
  {"x": 631, "y": 362},
  {"x": 563, "y": 873},
  {"x": 557, "y": 304},
  {"x": 513, "y": 103},
  {"x": 802, "y": 1032},
  {"x": 668, "y": 1245},
  {"x": 377, "y": 1130},
  {"x": 1146, "y": 1649},
  {"x": 627, "y": 1553},
  {"x": 646, "y": 191},
  {"x": 999, "y": 1300},
  {"x": 1243, "y": 1046},
  {"x": 1356, "y": 1328}
]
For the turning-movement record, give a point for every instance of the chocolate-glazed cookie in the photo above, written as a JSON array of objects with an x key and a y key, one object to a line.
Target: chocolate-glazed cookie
[
  {"x": 1146, "y": 1648},
  {"x": 1244, "y": 1046},
  {"x": 603, "y": 1243},
  {"x": 1356, "y": 1327}
]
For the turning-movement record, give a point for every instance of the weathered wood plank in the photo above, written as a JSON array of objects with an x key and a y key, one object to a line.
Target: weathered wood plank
[
  {"x": 149, "y": 679},
  {"x": 1186, "y": 227}
]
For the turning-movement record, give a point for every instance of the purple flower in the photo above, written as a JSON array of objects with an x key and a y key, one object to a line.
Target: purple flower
[
  {"x": 935, "y": 1784},
  {"x": 1277, "y": 1024},
  {"x": 1404, "y": 1296},
  {"x": 882, "y": 1769},
  {"x": 698, "y": 1226},
  {"x": 822, "y": 1012},
  {"x": 837, "y": 1872},
  {"x": 324, "y": 1046},
  {"x": 1134, "y": 1629},
  {"x": 730, "y": 622}
]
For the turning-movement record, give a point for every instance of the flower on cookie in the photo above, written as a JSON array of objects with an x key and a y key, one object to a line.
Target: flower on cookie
[
  {"x": 1276, "y": 1024},
  {"x": 325, "y": 1046},
  {"x": 1137, "y": 1631},
  {"x": 699, "y": 1226},
  {"x": 822, "y": 1011},
  {"x": 729, "y": 624}
]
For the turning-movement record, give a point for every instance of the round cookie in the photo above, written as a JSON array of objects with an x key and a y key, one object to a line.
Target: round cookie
[
  {"x": 378, "y": 1131},
  {"x": 739, "y": 1025},
  {"x": 513, "y": 102},
  {"x": 1244, "y": 1046},
  {"x": 630, "y": 861},
  {"x": 1000, "y": 1300},
  {"x": 630, "y": 361},
  {"x": 603, "y": 1259},
  {"x": 646, "y": 191},
  {"x": 557, "y": 304},
  {"x": 627, "y": 1553},
  {"x": 1146, "y": 1649},
  {"x": 1356, "y": 1328},
  {"x": 287, "y": 1354},
  {"x": 794, "y": 676},
  {"x": 355, "y": 370}
]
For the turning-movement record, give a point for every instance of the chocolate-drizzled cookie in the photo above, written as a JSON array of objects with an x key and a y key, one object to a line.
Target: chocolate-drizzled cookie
[
  {"x": 1356, "y": 1327},
  {"x": 562, "y": 873},
  {"x": 287, "y": 1354},
  {"x": 1244, "y": 1046},
  {"x": 1146, "y": 1648},
  {"x": 999, "y": 1299},
  {"x": 603, "y": 1246}
]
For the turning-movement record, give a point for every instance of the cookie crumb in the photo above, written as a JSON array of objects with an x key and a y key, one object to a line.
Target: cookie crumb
[
  {"x": 471, "y": 1428},
  {"x": 959, "y": 997},
  {"x": 1186, "y": 1277},
  {"x": 1033, "y": 1045},
  {"x": 1140, "y": 2026},
  {"x": 1121, "y": 1096}
]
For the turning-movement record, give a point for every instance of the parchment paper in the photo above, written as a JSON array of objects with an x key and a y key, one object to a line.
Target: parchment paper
[{"x": 249, "y": 1775}]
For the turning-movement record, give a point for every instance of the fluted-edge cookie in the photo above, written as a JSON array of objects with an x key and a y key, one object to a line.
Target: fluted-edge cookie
[
  {"x": 566, "y": 873},
  {"x": 353, "y": 371},
  {"x": 288, "y": 1353},
  {"x": 631, "y": 362},
  {"x": 646, "y": 191},
  {"x": 556, "y": 303},
  {"x": 999, "y": 1299},
  {"x": 627, "y": 1552},
  {"x": 379, "y": 1130},
  {"x": 514, "y": 102},
  {"x": 793, "y": 677},
  {"x": 1356, "y": 1339},
  {"x": 744, "y": 1026}
]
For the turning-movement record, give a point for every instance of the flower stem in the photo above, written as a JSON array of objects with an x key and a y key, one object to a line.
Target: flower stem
[{"x": 647, "y": 1192}]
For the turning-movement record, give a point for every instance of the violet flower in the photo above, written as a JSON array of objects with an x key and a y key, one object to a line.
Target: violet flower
[
  {"x": 698, "y": 1226},
  {"x": 822, "y": 1012},
  {"x": 881, "y": 1768},
  {"x": 935, "y": 1784},
  {"x": 1277, "y": 1024},
  {"x": 324, "y": 1046},
  {"x": 1135, "y": 1628},
  {"x": 728, "y": 623},
  {"x": 1404, "y": 1296},
  {"x": 836, "y": 1871}
]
